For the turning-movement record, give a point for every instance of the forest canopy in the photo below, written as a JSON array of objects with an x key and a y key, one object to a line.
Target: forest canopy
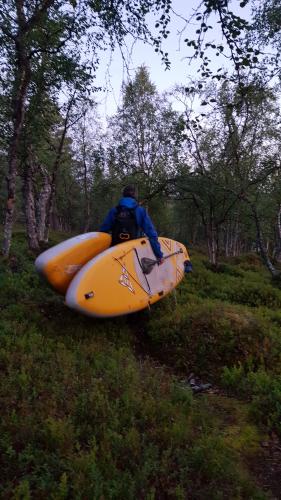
[{"x": 209, "y": 174}]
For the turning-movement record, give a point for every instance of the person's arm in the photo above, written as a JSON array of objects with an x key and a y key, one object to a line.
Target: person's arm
[
  {"x": 108, "y": 222},
  {"x": 150, "y": 231}
]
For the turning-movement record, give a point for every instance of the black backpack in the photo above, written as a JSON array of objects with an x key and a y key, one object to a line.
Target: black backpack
[{"x": 125, "y": 226}]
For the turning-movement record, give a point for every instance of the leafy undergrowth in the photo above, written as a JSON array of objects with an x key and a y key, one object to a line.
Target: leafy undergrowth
[
  {"x": 226, "y": 326},
  {"x": 82, "y": 416}
]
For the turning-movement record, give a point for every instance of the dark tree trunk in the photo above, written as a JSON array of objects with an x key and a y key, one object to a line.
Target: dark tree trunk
[
  {"x": 87, "y": 218},
  {"x": 51, "y": 199}
]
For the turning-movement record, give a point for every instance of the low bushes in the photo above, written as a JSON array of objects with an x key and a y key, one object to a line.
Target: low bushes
[
  {"x": 206, "y": 336},
  {"x": 262, "y": 388},
  {"x": 210, "y": 334},
  {"x": 83, "y": 417},
  {"x": 91, "y": 421}
]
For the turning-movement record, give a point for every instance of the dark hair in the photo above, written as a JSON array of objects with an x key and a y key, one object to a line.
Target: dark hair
[{"x": 129, "y": 191}]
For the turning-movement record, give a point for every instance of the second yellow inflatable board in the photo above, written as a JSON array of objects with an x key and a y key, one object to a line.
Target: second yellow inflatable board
[
  {"x": 114, "y": 282},
  {"x": 60, "y": 263}
]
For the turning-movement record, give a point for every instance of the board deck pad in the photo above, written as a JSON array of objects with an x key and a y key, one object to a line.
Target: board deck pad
[
  {"x": 60, "y": 263},
  {"x": 113, "y": 283},
  {"x": 161, "y": 277}
]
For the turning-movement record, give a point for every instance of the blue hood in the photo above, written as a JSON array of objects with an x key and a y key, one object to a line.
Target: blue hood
[{"x": 128, "y": 202}]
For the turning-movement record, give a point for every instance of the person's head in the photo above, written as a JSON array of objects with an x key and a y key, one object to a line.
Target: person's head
[{"x": 129, "y": 191}]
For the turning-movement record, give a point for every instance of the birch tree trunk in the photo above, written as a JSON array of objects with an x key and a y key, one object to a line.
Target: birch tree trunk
[
  {"x": 278, "y": 245},
  {"x": 87, "y": 207},
  {"x": 42, "y": 203},
  {"x": 235, "y": 246},
  {"x": 29, "y": 207},
  {"x": 87, "y": 216},
  {"x": 260, "y": 244},
  {"x": 21, "y": 84},
  {"x": 227, "y": 239},
  {"x": 212, "y": 241},
  {"x": 22, "y": 77}
]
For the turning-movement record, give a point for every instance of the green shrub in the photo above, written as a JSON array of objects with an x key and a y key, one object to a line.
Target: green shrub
[
  {"x": 93, "y": 421},
  {"x": 255, "y": 295},
  {"x": 262, "y": 388},
  {"x": 250, "y": 261},
  {"x": 224, "y": 268},
  {"x": 207, "y": 336}
]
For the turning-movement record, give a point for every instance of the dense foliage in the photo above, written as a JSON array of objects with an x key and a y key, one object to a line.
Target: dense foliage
[{"x": 209, "y": 174}]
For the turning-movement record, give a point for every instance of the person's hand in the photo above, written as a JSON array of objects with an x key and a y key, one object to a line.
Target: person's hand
[
  {"x": 187, "y": 266},
  {"x": 160, "y": 261}
]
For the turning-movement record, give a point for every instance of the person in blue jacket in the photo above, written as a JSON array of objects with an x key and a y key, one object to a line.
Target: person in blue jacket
[{"x": 128, "y": 221}]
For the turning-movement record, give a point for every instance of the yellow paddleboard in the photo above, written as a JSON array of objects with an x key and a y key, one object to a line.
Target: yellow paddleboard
[
  {"x": 113, "y": 283},
  {"x": 60, "y": 263}
]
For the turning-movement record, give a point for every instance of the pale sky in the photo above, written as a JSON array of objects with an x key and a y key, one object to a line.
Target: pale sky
[{"x": 113, "y": 71}]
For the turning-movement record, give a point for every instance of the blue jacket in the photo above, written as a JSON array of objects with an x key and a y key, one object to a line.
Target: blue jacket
[{"x": 143, "y": 220}]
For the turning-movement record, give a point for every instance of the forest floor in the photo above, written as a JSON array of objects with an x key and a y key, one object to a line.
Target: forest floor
[{"x": 104, "y": 408}]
